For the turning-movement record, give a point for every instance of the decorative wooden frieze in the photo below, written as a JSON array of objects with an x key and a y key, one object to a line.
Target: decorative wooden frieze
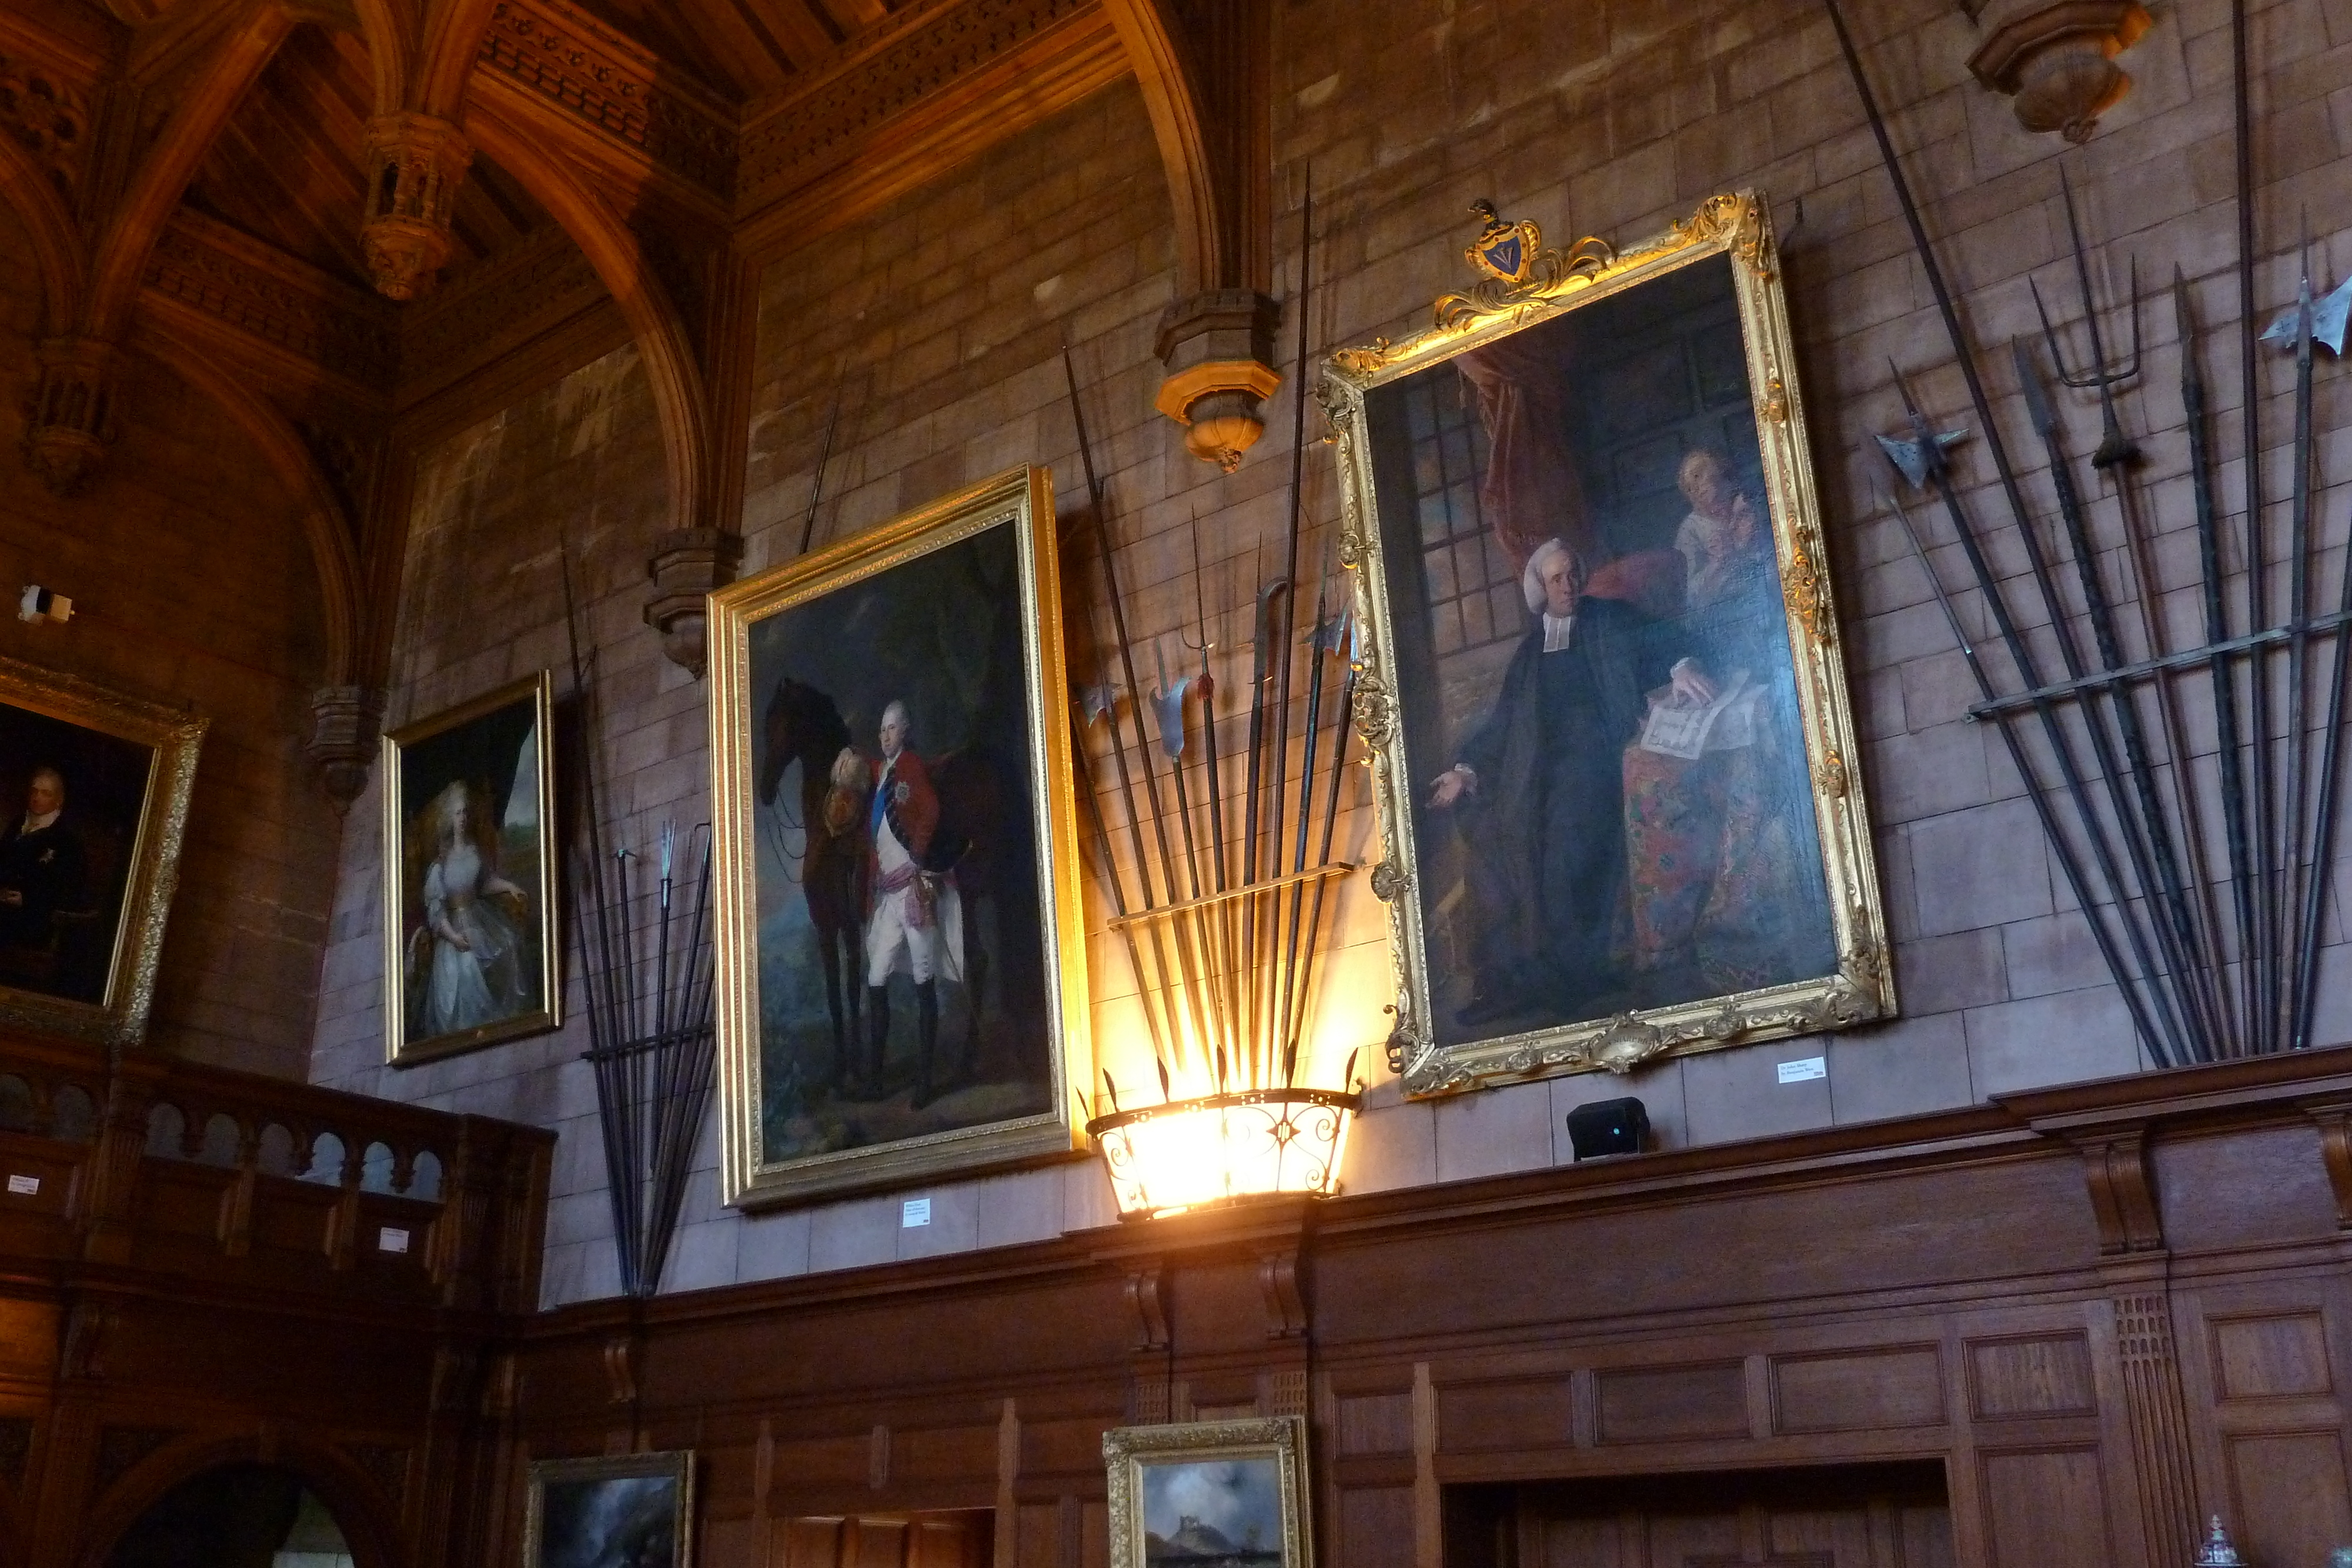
[
  {"x": 71, "y": 422},
  {"x": 916, "y": 54},
  {"x": 269, "y": 295},
  {"x": 612, "y": 84},
  {"x": 47, "y": 116},
  {"x": 346, "y": 732},
  {"x": 415, "y": 164}
]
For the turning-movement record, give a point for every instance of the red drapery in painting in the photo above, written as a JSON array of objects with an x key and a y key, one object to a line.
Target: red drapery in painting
[{"x": 1532, "y": 490}]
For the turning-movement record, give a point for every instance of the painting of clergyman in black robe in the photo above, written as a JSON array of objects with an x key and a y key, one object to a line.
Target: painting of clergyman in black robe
[
  {"x": 70, "y": 803},
  {"x": 1611, "y": 793}
]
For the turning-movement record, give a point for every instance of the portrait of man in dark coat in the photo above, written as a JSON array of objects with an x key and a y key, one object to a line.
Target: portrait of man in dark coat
[
  {"x": 43, "y": 866},
  {"x": 1536, "y": 793}
]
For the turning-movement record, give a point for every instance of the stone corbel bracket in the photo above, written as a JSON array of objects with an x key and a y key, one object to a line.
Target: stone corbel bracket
[
  {"x": 2058, "y": 62},
  {"x": 687, "y": 565},
  {"x": 1217, "y": 349}
]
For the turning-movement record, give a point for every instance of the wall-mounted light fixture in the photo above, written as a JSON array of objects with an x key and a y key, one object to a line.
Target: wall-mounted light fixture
[{"x": 1224, "y": 1148}]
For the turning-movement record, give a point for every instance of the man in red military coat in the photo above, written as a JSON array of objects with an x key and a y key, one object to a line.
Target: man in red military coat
[{"x": 908, "y": 908}]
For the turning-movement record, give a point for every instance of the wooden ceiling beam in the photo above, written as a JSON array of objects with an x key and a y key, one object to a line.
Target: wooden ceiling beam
[
  {"x": 853, "y": 17},
  {"x": 805, "y": 32}
]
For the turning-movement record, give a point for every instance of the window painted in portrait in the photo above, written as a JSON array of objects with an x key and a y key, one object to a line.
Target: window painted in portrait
[
  {"x": 470, "y": 953},
  {"x": 1612, "y": 713},
  {"x": 631, "y": 1510},
  {"x": 94, "y": 790},
  {"x": 902, "y": 997}
]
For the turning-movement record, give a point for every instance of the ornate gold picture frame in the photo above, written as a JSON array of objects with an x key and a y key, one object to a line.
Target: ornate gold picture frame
[
  {"x": 472, "y": 942},
  {"x": 619, "y": 1510},
  {"x": 1209, "y": 1494},
  {"x": 1602, "y": 693},
  {"x": 94, "y": 789},
  {"x": 901, "y": 971}
]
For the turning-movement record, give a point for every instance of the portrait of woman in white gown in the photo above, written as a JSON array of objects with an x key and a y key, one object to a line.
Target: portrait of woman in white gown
[
  {"x": 469, "y": 960},
  {"x": 463, "y": 967}
]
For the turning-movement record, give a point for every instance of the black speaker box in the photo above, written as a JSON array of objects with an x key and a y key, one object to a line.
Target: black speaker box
[{"x": 1609, "y": 1127}]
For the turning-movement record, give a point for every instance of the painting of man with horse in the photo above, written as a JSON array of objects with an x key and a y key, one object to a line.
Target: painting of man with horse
[{"x": 902, "y": 981}]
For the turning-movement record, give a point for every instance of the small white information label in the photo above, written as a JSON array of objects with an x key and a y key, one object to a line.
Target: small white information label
[
  {"x": 391, "y": 1238},
  {"x": 24, "y": 1186},
  {"x": 1804, "y": 1071},
  {"x": 913, "y": 1212}
]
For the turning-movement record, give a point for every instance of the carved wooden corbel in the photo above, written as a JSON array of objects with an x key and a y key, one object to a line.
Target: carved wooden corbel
[
  {"x": 2336, "y": 1150},
  {"x": 415, "y": 164},
  {"x": 1147, "y": 1290},
  {"x": 71, "y": 422},
  {"x": 621, "y": 1368},
  {"x": 2122, "y": 1191},
  {"x": 1279, "y": 1288}
]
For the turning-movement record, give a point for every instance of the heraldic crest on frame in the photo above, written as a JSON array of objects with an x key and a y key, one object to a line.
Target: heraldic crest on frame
[{"x": 1602, "y": 693}]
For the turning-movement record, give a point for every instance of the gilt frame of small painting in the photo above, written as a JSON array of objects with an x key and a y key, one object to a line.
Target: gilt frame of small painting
[
  {"x": 1612, "y": 754},
  {"x": 473, "y": 948},
  {"x": 94, "y": 792},
  {"x": 621, "y": 1510},
  {"x": 901, "y": 971},
  {"x": 1209, "y": 1494}
]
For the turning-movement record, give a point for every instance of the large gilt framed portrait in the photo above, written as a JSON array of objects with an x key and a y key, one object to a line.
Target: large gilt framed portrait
[
  {"x": 901, "y": 979},
  {"x": 471, "y": 943},
  {"x": 621, "y": 1510},
  {"x": 1209, "y": 1494},
  {"x": 1613, "y": 758},
  {"x": 94, "y": 789}
]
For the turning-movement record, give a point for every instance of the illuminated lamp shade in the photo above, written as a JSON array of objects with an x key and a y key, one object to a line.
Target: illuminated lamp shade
[{"x": 1224, "y": 1148}]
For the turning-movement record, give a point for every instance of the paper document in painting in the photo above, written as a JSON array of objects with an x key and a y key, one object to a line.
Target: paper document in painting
[{"x": 1689, "y": 732}]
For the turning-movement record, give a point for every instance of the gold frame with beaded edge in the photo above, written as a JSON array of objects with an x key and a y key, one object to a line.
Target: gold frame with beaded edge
[
  {"x": 757, "y": 1084},
  {"x": 1277, "y": 1441},
  {"x": 676, "y": 1465},
  {"x": 152, "y": 840},
  {"x": 537, "y": 693},
  {"x": 1858, "y": 987}
]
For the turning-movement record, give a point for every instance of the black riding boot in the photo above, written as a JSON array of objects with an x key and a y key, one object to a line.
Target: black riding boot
[
  {"x": 927, "y": 1029},
  {"x": 877, "y": 1035}
]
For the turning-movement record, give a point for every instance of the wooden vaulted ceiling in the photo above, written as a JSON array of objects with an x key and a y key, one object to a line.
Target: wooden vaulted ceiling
[
  {"x": 289, "y": 168},
  {"x": 748, "y": 50}
]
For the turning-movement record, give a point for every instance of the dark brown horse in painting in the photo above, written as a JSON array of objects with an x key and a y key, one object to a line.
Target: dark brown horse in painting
[{"x": 802, "y": 724}]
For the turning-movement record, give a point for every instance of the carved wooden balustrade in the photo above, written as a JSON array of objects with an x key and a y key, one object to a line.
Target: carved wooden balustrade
[{"x": 167, "y": 1166}]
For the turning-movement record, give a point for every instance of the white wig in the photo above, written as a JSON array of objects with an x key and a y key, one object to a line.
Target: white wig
[
  {"x": 896, "y": 706},
  {"x": 1531, "y": 581}
]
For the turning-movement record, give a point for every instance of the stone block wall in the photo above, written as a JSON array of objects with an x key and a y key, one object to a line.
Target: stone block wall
[
  {"x": 940, "y": 324},
  {"x": 191, "y": 584}
]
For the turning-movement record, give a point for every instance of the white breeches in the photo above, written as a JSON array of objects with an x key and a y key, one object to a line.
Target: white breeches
[{"x": 923, "y": 952}]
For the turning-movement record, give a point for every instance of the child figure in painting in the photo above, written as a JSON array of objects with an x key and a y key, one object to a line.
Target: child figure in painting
[{"x": 463, "y": 967}]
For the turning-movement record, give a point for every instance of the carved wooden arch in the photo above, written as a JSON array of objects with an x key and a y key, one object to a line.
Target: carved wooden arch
[
  {"x": 663, "y": 343},
  {"x": 326, "y": 526},
  {"x": 350, "y": 1495},
  {"x": 162, "y": 179},
  {"x": 49, "y": 227},
  {"x": 386, "y": 29},
  {"x": 444, "y": 66},
  {"x": 1148, "y": 31}
]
